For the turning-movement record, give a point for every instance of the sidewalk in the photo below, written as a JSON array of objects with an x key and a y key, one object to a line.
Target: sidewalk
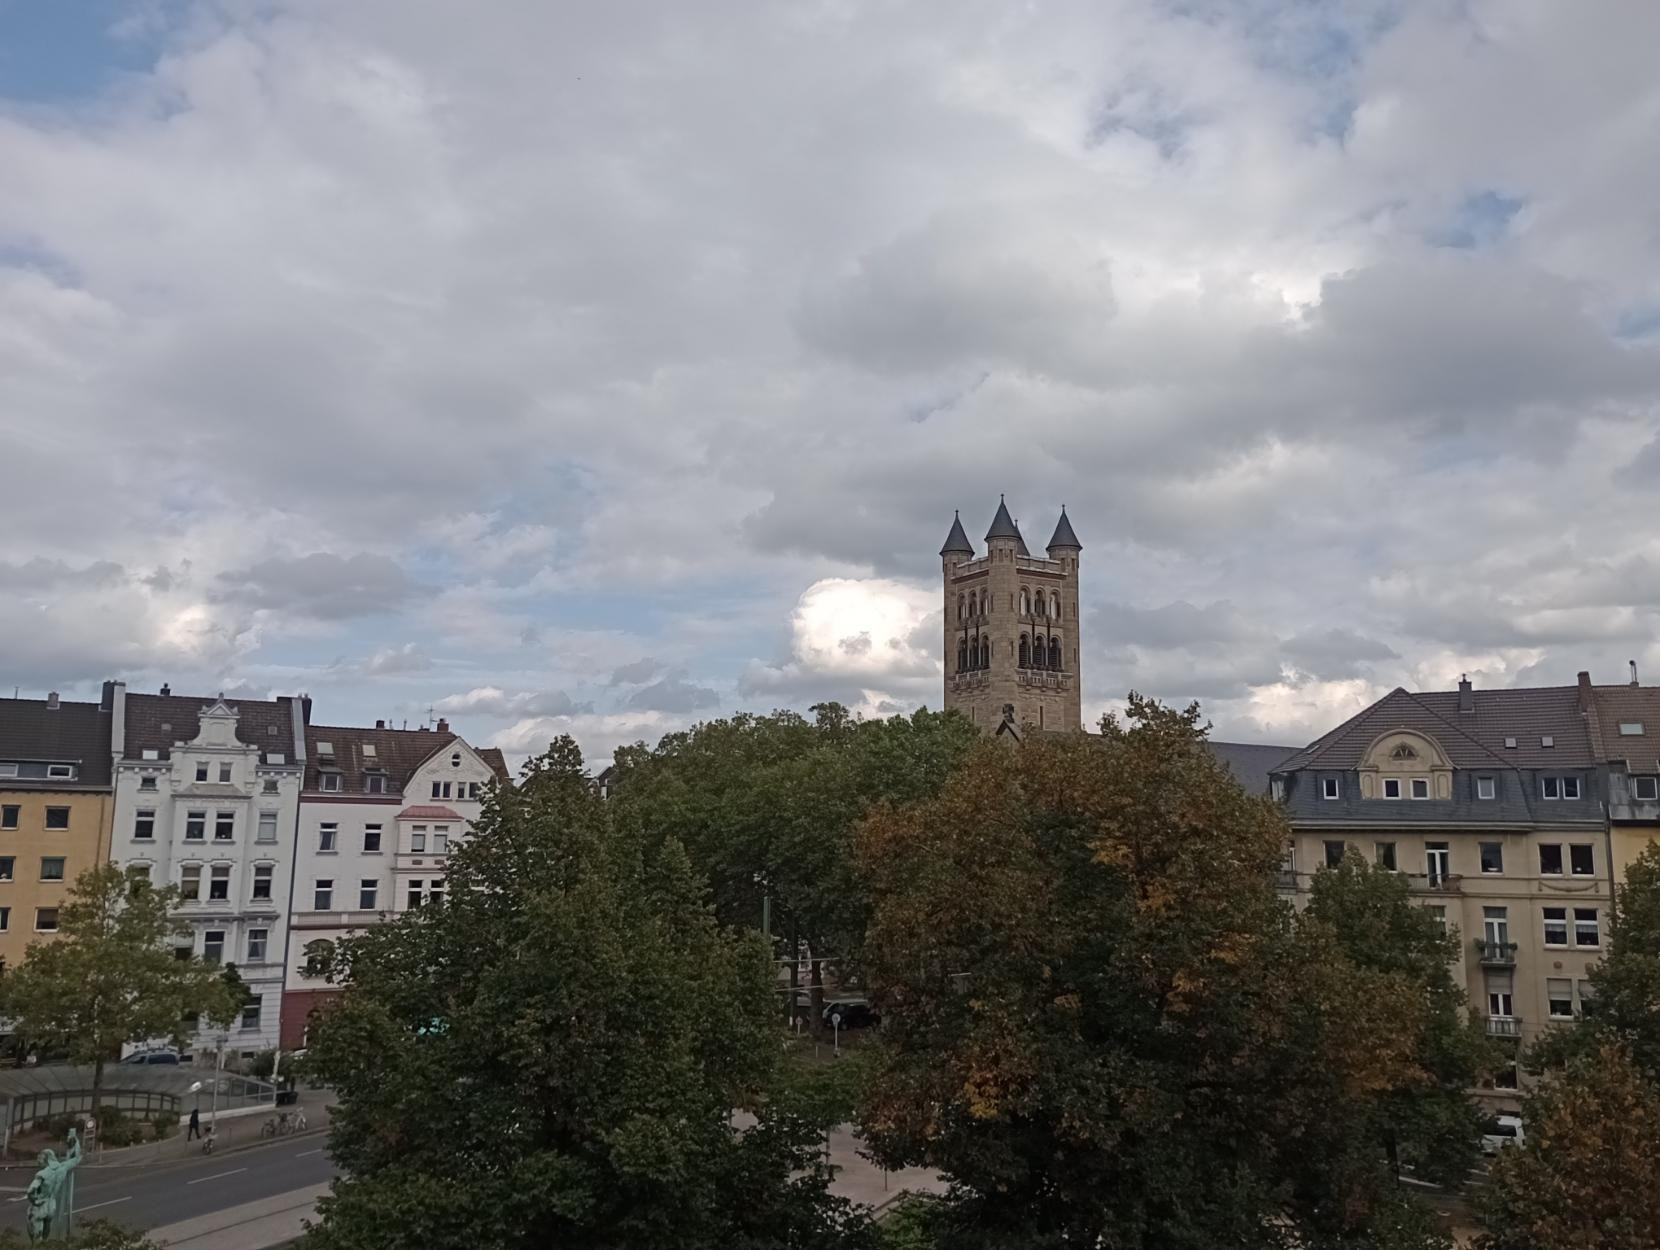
[{"x": 260, "y": 1225}]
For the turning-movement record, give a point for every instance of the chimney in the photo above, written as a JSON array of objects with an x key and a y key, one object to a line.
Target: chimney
[
  {"x": 1633, "y": 664},
  {"x": 52, "y": 701},
  {"x": 380, "y": 724},
  {"x": 305, "y": 707},
  {"x": 166, "y": 689},
  {"x": 1466, "y": 694},
  {"x": 118, "y": 718},
  {"x": 443, "y": 725},
  {"x": 106, "y": 700}
]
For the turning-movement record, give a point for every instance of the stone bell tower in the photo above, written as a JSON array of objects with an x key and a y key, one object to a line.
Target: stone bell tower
[{"x": 1011, "y": 628}]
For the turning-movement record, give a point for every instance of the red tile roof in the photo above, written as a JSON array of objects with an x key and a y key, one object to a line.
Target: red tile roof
[{"x": 428, "y": 812}]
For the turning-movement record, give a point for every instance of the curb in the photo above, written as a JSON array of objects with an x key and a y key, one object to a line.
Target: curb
[{"x": 161, "y": 1160}]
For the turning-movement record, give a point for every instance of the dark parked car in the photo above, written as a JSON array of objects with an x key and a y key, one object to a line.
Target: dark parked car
[
  {"x": 856, "y": 1013},
  {"x": 153, "y": 1056}
]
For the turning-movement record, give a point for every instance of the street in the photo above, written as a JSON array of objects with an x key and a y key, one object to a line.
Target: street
[{"x": 155, "y": 1194}]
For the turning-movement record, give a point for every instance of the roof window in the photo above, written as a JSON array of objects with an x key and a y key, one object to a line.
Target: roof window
[
  {"x": 325, "y": 748},
  {"x": 1545, "y": 740},
  {"x": 1631, "y": 729},
  {"x": 1510, "y": 744},
  {"x": 275, "y": 757},
  {"x": 369, "y": 750},
  {"x": 150, "y": 753}
]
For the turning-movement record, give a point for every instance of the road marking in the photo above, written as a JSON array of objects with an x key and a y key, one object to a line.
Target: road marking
[
  {"x": 216, "y": 1176},
  {"x": 109, "y": 1203},
  {"x": 304, "y": 1153}
]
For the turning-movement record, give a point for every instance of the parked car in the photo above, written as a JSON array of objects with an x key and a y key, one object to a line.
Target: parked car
[
  {"x": 1501, "y": 1133},
  {"x": 153, "y": 1057},
  {"x": 855, "y": 1013}
]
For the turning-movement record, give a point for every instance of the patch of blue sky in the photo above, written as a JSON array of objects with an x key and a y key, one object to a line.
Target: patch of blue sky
[
  {"x": 57, "y": 50},
  {"x": 23, "y": 253},
  {"x": 1640, "y": 321},
  {"x": 1481, "y": 220}
]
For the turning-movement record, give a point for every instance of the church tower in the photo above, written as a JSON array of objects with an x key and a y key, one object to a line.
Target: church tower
[{"x": 1011, "y": 628}]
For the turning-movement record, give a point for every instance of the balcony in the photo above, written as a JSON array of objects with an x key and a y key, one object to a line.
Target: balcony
[
  {"x": 1496, "y": 954},
  {"x": 1047, "y": 678},
  {"x": 1509, "y": 1027},
  {"x": 1436, "y": 883}
]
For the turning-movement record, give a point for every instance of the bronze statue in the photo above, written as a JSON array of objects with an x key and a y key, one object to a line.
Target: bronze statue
[{"x": 51, "y": 1193}]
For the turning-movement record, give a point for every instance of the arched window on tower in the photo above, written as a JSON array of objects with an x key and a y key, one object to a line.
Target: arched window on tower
[
  {"x": 985, "y": 653},
  {"x": 1055, "y": 654},
  {"x": 1054, "y": 606},
  {"x": 985, "y": 603},
  {"x": 962, "y": 656},
  {"x": 1037, "y": 651},
  {"x": 1025, "y": 651},
  {"x": 960, "y": 606}
]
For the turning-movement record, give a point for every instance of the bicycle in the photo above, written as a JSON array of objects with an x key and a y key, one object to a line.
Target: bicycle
[
  {"x": 208, "y": 1140},
  {"x": 283, "y": 1123}
]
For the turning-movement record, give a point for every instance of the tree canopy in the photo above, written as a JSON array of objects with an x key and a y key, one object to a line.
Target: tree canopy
[
  {"x": 554, "y": 1055},
  {"x": 1105, "y": 1026}
]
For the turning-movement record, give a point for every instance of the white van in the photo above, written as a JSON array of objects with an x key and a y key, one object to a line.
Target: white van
[{"x": 1501, "y": 1133}]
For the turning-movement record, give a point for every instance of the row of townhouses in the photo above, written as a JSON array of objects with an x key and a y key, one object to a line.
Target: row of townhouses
[{"x": 283, "y": 836}]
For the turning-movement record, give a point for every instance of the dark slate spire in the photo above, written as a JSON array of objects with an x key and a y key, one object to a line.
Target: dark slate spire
[
  {"x": 1021, "y": 549},
  {"x": 957, "y": 540},
  {"x": 1002, "y": 525},
  {"x": 1063, "y": 535}
]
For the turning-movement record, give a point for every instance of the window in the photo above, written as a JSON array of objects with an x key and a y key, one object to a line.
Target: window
[
  {"x": 256, "y": 945},
  {"x": 472, "y": 789},
  {"x": 371, "y": 839},
  {"x": 1570, "y": 787},
  {"x": 46, "y": 920},
  {"x": 1024, "y": 658},
  {"x": 327, "y": 832},
  {"x": 435, "y": 895},
  {"x": 195, "y": 826},
  {"x": 1498, "y": 1003},
  {"x": 51, "y": 867},
  {"x": 1329, "y": 788},
  {"x": 1334, "y": 854},
  {"x": 213, "y": 946},
  {"x": 369, "y": 751},
  {"x": 1550, "y": 788},
  {"x": 190, "y": 882},
  {"x": 366, "y": 891},
  {"x": 59, "y": 772},
  {"x": 224, "y": 774},
  {"x": 1510, "y": 744},
  {"x": 319, "y": 958},
  {"x": 269, "y": 786},
  {"x": 6, "y": 862},
  {"x": 1582, "y": 859},
  {"x": 219, "y": 883},
  {"x": 1550, "y": 860},
  {"x": 322, "y": 896},
  {"x": 250, "y": 1013},
  {"x": 325, "y": 749},
  {"x": 1631, "y": 729},
  {"x": 5, "y": 919},
  {"x": 1439, "y": 915},
  {"x": 1545, "y": 740},
  {"x": 415, "y": 885},
  {"x": 374, "y": 783},
  {"x": 147, "y": 782},
  {"x": 267, "y": 827},
  {"x": 440, "y": 789},
  {"x": 262, "y": 881},
  {"x": 1385, "y": 855},
  {"x": 1587, "y": 999},
  {"x": 224, "y": 826},
  {"x": 1436, "y": 862},
  {"x": 275, "y": 757},
  {"x": 1485, "y": 787},
  {"x": 1391, "y": 787},
  {"x": 1559, "y": 993},
  {"x": 440, "y": 839},
  {"x": 144, "y": 824},
  {"x": 1507, "y": 1077},
  {"x": 1556, "y": 926},
  {"x": 1055, "y": 655},
  {"x": 1645, "y": 789},
  {"x": 138, "y": 877},
  {"x": 8, "y": 770},
  {"x": 1492, "y": 857},
  {"x": 418, "y": 838},
  {"x": 328, "y": 781},
  {"x": 201, "y": 770},
  {"x": 57, "y": 818},
  {"x": 1495, "y": 925},
  {"x": 1420, "y": 787},
  {"x": 1585, "y": 927},
  {"x": 8, "y": 815},
  {"x": 150, "y": 753},
  {"x": 184, "y": 954}
]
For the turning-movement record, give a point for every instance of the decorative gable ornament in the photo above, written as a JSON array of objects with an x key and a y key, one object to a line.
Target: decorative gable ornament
[{"x": 1403, "y": 752}]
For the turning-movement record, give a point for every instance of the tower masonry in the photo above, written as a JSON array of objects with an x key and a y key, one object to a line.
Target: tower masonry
[{"x": 1011, "y": 628}]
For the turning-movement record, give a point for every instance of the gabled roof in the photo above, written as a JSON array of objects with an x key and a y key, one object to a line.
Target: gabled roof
[
  {"x": 71, "y": 733},
  {"x": 1613, "y": 706},
  {"x": 1474, "y": 739},
  {"x": 957, "y": 539},
  {"x": 1250, "y": 762},
  {"x": 397, "y": 754},
  {"x": 1063, "y": 535},
  {"x": 156, "y": 721},
  {"x": 1002, "y": 525}
]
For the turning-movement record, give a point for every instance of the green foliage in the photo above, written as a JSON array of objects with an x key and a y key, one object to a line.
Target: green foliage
[
  {"x": 165, "y": 1125},
  {"x": 1588, "y": 1174},
  {"x": 110, "y": 975},
  {"x": 596, "y": 1027},
  {"x": 93, "y": 1235},
  {"x": 1104, "y": 1025}
]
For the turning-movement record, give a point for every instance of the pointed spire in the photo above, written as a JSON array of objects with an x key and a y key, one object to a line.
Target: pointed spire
[
  {"x": 1063, "y": 535},
  {"x": 1021, "y": 549},
  {"x": 957, "y": 539},
  {"x": 1002, "y": 525}
]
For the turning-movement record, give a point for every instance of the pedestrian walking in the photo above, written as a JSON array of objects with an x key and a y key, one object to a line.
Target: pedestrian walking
[{"x": 195, "y": 1124}]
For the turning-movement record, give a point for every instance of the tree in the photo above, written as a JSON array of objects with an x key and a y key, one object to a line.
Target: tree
[
  {"x": 1100, "y": 1020},
  {"x": 1625, "y": 983},
  {"x": 111, "y": 975},
  {"x": 553, "y": 1055},
  {"x": 1588, "y": 1175}
]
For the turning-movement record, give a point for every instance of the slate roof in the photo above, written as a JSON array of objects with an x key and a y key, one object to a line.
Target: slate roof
[
  {"x": 157, "y": 721},
  {"x": 398, "y": 753},
  {"x": 73, "y": 733},
  {"x": 957, "y": 539},
  {"x": 1020, "y": 549},
  {"x": 1002, "y": 525},
  {"x": 1250, "y": 762},
  {"x": 1063, "y": 535},
  {"x": 1613, "y": 706}
]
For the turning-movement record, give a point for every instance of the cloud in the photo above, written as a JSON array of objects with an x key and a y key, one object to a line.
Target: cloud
[
  {"x": 322, "y": 585},
  {"x": 38, "y": 574},
  {"x": 635, "y": 672},
  {"x": 673, "y": 695},
  {"x": 491, "y": 701},
  {"x": 1335, "y": 653}
]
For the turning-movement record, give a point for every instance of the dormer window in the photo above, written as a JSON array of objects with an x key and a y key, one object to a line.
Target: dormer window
[
  {"x": 325, "y": 748},
  {"x": 1485, "y": 787},
  {"x": 1645, "y": 789},
  {"x": 1631, "y": 729},
  {"x": 328, "y": 781},
  {"x": 60, "y": 772},
  {"x": 1391, "y": 787},
  {"x": 1420, "y": 787},
  {"x": 374, "y": 783},
  {"x": 1329, "y": 788}
]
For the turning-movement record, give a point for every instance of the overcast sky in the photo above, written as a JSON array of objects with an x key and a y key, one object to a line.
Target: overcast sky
[{"x": 604, "y": 367}]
